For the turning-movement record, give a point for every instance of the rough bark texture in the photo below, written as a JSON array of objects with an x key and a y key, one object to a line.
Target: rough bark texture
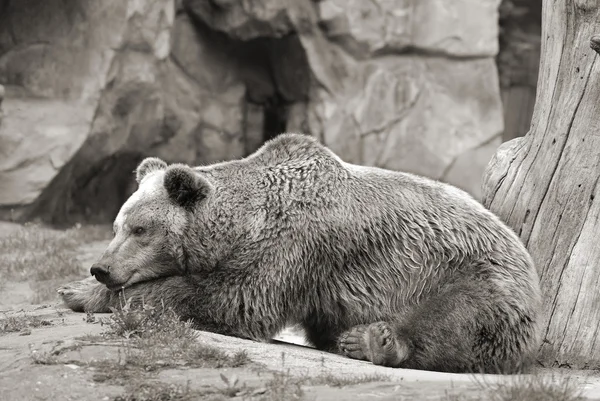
[{"x": 544, "y": 185}]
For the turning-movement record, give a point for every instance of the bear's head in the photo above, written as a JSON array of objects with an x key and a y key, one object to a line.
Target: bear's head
[{"x": 149, "y": 228}]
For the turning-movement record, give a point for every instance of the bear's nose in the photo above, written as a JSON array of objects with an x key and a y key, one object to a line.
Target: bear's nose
[{"x": 100, "y": 272}]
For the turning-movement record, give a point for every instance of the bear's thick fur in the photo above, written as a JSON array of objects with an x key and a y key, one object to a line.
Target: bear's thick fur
[{"x": 378, "y": 265}]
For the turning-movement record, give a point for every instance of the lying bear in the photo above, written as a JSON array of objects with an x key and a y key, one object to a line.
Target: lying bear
[{"x": 377, "y": 265}]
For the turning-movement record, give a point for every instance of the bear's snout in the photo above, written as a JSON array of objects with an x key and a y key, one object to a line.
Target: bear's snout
[{"x": 101, "y": 272}]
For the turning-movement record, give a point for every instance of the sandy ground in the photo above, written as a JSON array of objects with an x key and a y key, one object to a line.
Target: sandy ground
[{"x": 69, "y": 378}]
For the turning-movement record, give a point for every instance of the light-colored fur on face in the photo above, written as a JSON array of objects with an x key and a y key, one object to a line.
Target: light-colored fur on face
[
  {"x": 151, "y": 187},
  {"x": 136, "y": 257}
]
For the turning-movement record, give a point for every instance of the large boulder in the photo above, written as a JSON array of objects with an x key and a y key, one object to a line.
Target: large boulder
[
  {"x": 93, "y": 87},
  {"x": 247, "y": 19},
  {"x": 460, "y": 28},
  {"x": 398, "y": 84}
]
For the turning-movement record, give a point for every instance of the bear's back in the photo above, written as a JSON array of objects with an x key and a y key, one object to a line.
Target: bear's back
[{"x": 296, "y": 184}]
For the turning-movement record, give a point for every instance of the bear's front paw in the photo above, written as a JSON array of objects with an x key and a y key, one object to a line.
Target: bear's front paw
[{"x": 82, "y": 296}]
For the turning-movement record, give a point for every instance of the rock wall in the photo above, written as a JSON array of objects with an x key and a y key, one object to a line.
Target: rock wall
[
  {"x": 518, "y": 62},
  {"x": 93, "y": 87}
]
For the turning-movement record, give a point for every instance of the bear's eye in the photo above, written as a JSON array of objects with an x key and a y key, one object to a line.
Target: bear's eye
[{"x": 138, "y": 230}]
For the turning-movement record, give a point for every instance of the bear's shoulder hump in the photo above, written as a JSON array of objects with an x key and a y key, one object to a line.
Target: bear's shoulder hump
[{"x": 293, "y": 147}]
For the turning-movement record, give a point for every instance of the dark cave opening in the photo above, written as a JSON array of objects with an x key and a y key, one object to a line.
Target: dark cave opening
[
  {"x": 275, "y": 71},
  {"x": 275, "y": 117},
  {"x": 276, "y": 75}
]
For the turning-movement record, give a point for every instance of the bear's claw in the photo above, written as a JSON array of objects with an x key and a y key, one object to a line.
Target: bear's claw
[{"x": 352, "y": 343}]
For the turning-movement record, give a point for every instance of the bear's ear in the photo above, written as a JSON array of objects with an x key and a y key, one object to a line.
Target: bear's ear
[
  {"x": 184, "y": 186},
  {"x": 148, "y": 165}
]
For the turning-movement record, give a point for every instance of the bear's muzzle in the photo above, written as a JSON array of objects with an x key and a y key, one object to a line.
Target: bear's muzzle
[{"x": 101, "y": 272}]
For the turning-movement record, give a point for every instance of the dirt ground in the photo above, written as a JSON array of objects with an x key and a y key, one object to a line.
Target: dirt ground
[{"x": 61, "y": 356}]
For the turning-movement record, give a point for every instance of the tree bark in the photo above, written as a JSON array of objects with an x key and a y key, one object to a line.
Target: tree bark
[{"x": 544, "y": 185}]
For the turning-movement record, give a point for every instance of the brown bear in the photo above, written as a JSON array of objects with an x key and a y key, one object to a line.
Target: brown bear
[{"x": 378, "y": 265}]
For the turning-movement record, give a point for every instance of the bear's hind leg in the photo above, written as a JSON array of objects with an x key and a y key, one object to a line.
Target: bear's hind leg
[
  {"x": 321, "y": 333},
  {"x": 469, "y": 327}
]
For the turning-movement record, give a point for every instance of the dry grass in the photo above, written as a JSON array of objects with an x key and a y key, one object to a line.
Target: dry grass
[
  {"x": 35, "y": 252},
  {"x": 159, "y": 339},
  {"x": 45, "y": 257},
  {"x": 44, "y": 358},
  {"x": 22, "y": 324},
  {"x": 343, "y": 381},
  {"x": 150, "y": 339},
  {"x": 284, "y": 387},
  {"x": 535, "y": 388},
  {"x": 157, "y": 391},
  {"x": 154, "y": 338},
  {"x": 146, "y": 322}
]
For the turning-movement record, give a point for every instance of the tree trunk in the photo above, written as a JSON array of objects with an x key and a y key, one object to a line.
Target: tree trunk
[{"x": 544, "y": 185}]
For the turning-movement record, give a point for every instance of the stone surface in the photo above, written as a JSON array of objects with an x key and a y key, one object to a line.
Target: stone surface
[
  {"x": 244, "y": 20},
  {"x": 2, "y": 93},
  {"x": 39, "y": 136},
  {"x": 458, "y": 28},
  {"x": 93, "y": 87},
  {"x": 413, "y": 114},
  {"x": 518, "y": 62},
  {"x": 82, "y": 110},
  {"x": 465, "y": 171}
]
